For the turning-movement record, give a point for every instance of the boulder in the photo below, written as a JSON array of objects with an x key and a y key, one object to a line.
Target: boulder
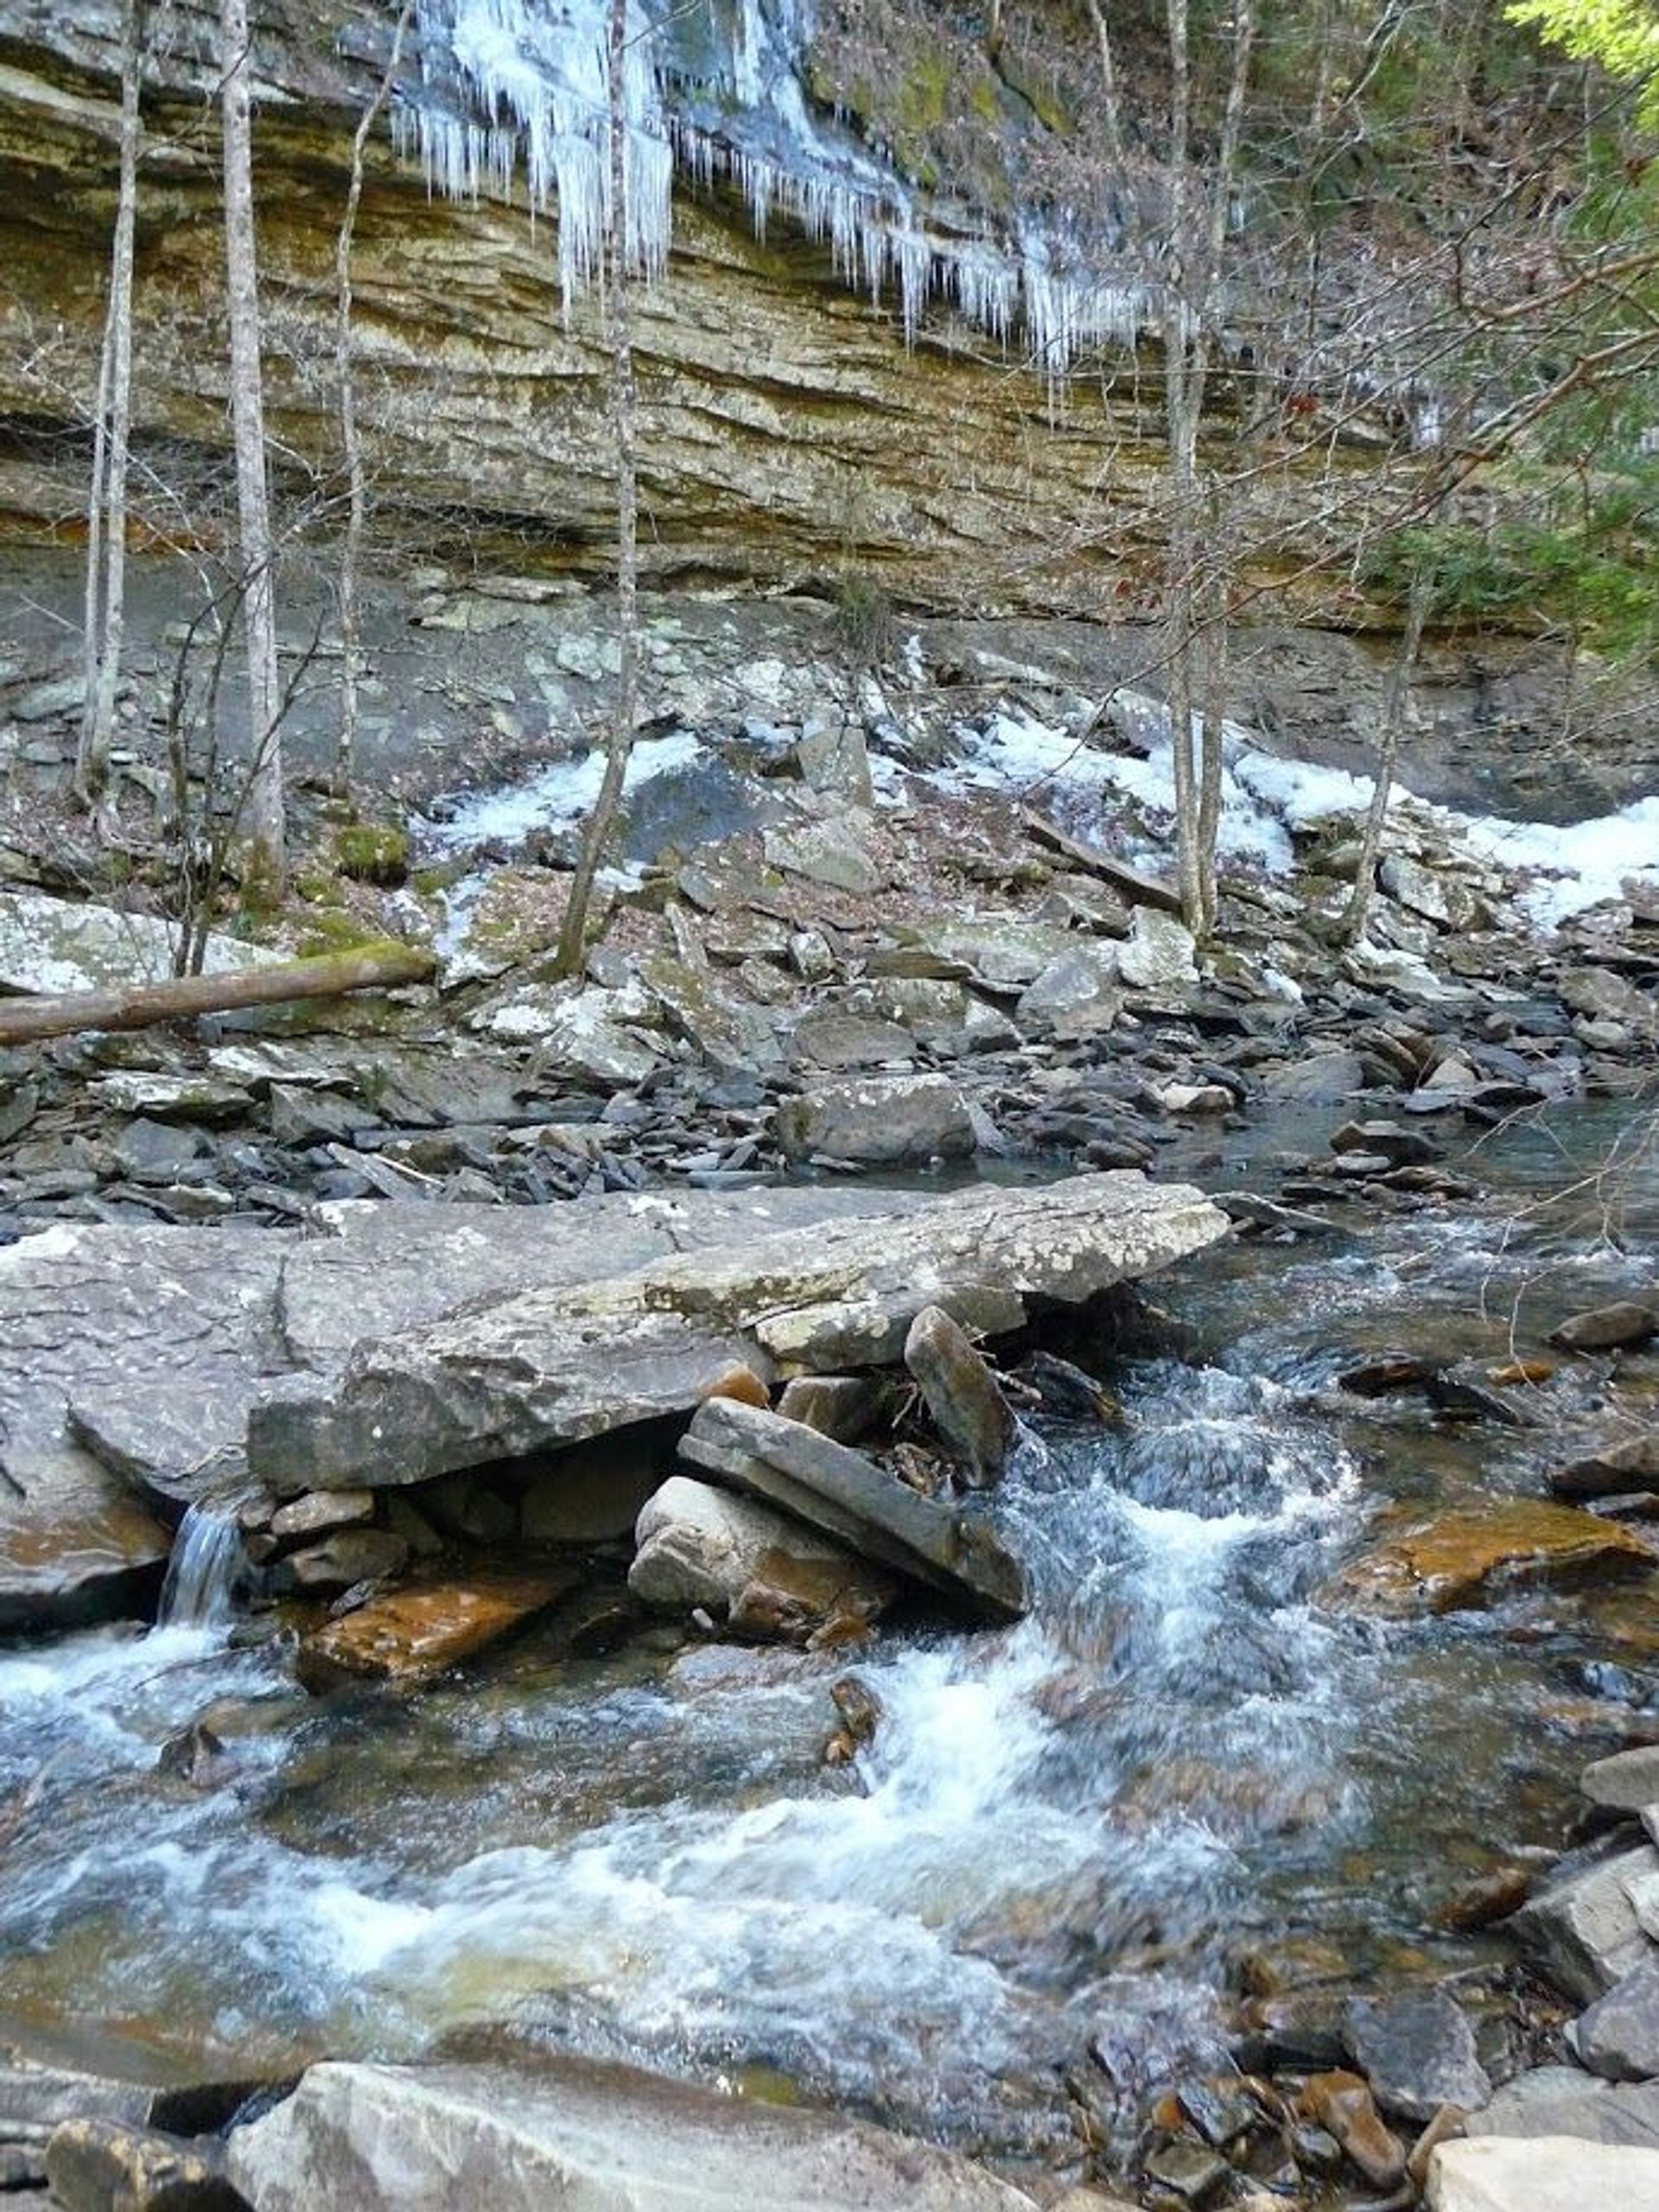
[
  {"x": 1618, "y": 2036},
  {"x": 1075, "y": 995},
  {"x": 343, "y": 1560},
  {"x": 1468, "y": 1558},
  {"x": 1628, "y": 1466},
  {"x": 1160, "y": 954},
  {"x": 102, "y": 2165},
  {"x": 1418, "y": 2052},
  {"x": 1546, "y": 2173},
  {"x": 585, "y": 2137},
  {"x": 570, "y": 1359},
  {"x": 408, "y": 1636},
  {"x": 152, "y": 1332},
  {"x": 830, "y": 853},
  {"x": 1563, "y": 2101},
  {"x": 1582, "y": 1930},
  {"x": 1324, "y": 1078},
  {"x": 1608, "y": 1328},
  {"x": 763, "y": 1572},
  {"x": 963, "y": 1396},
  {"x": 851, "y": 1498},
  {"x": 1628, "y": 1781},
  {"x": 901, "y": 1121},
  {"x": 59, "y": 945}
]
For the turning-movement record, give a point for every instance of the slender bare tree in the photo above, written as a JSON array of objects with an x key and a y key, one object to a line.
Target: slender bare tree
[
  {"x": 1201, "y": 207},
  {"x": 107, "y": 505},
  {"x": 357, "y": 497},
  {"x": 573, "y": 933},
  {"x": 264, "y": 820}
]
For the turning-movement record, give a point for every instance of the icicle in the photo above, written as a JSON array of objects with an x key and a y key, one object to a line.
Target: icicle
[{"x": 535, "y": 74}]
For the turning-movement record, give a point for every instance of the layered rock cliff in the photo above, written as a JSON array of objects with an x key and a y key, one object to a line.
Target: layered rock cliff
[{"x": 793, "y": 437}]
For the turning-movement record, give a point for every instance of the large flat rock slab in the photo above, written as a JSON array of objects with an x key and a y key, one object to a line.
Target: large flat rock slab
[
  {"x": 55, "y": 945},
  {"x": 165, "y": 1319},
  {"x": 129, "y": 1356},
  {"x": 391, "y": 1266},
  {"x": 562, "y": 1362},
  {"x": 587, "y": 2137}
]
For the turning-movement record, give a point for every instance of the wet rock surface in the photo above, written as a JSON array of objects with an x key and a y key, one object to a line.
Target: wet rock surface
[{"x": 356, "y": 2138}]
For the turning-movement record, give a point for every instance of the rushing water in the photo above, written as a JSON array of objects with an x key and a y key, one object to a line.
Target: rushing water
[
  {"x": 208, "y": 1566},
  {"x": 1065, "y": 1836}
]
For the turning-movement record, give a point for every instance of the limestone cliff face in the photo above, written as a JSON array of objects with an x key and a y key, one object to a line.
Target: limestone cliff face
[{"x": 790, "y": 437}]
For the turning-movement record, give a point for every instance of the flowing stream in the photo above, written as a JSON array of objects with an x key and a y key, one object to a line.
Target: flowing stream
[{"x": 1065, "y": 1839}]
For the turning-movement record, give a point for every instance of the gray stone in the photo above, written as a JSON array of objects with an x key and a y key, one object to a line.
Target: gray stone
[
  {"x": 832, "y": 1039},
  {"x": 1075, "y": 995},
  {"x": 585, "y": 2137},
  {"x": 1565, "y": 2100},
  {"x": 1322, "y": 1079},
  {"x": 1376, "y": 967},
  {"x": 580, "y": 1032},
  {"x": 790, "y": 1465},
  {"x": 1000, "y": 952},
  {"x": 828, "y": 853},
  {"x": 1608, "y": 1328},
  {"x": 53, "y": 945},
  {"x": 1418, "y": 2052},
  {"x": 1160, "y": 954},
  {"x": 1618, "y": 2036},
  {"x": 968, "y": 1406},
  {"x": 900, "y": 1120},
  {"x": 1601, "y": 993},
  {"x": 339, "y": 1561},
  {"x": 1628, "y": 1781},
  {"x": 549, "y": 1365},
  {"x": 1424, "y": 891},
  {"x": 172, "y": 1097},
  {"x": 834, "y": 756},
  {"x": 729, "y": 1033},
  {"x": 1630, "y": 1464},
  {"x": 742, "y": 1559},
  {"x": 162, "y": 1330},
  {"x": 322, "y": 1509},
  {"x": 1582, "y": 1931},
  {"x": 1546, "y": 2173}
]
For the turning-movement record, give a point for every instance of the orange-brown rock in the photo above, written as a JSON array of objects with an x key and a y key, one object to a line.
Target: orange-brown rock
[
  {"x": 1342, "y": 2105},
  {"x": 1466, "y": 1558},
  {"x": 412, "y": 1634}
]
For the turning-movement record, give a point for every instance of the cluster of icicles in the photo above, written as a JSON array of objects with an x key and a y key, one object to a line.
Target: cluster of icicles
[{"x": 511, "y": 88}]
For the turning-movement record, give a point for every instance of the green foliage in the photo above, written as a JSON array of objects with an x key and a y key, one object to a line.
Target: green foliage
[
  {"x": 1623, "y": 36},
  {"x": 1583, "y": 563}
]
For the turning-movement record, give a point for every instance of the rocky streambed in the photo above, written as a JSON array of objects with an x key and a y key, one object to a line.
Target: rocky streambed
[{"x": 692, "y": 1547}]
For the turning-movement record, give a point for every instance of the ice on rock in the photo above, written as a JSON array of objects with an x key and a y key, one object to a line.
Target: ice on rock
[{"x": 508, "y": 92}]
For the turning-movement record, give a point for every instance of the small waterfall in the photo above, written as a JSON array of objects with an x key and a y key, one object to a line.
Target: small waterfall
[{"x": 207, "y": 1562}]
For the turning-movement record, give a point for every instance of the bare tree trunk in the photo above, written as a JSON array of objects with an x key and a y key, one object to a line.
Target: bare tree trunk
[
  {"x": 1388, "y": 746},
  {"x": 573, "y": 933},
  {"x": 1194, "y": 267},
  {"x": 1211, "y": 754},
  {"x": 351, "y": 443},
  {"x": 106, "y": 512},
  {"x": 1111, "y": 113},
  {"x": 264, "y": 819}
]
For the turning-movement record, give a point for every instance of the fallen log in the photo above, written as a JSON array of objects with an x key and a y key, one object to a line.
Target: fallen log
[
  {"x": 378, "y": 966},
  {"x": 1130, "y": 883}
]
